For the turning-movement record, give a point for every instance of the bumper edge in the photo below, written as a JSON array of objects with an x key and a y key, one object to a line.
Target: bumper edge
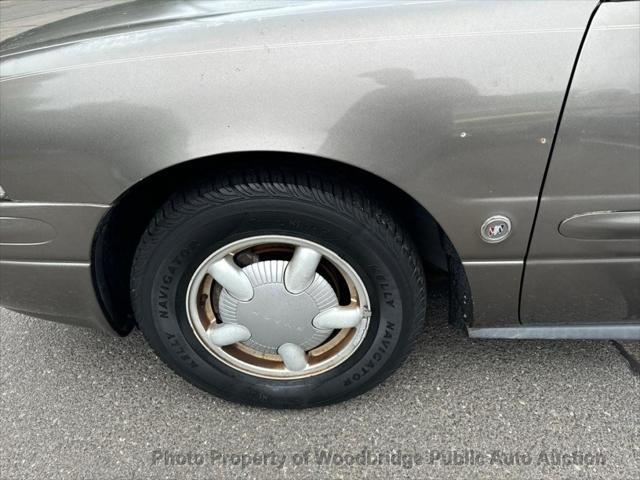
[{"x": 58, "y": 291}]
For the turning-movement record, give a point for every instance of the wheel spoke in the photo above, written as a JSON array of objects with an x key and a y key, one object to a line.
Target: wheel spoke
[
  {"x": 338, "y": 317},
  {"x": 232, "y": 278},
  {"x": 301, "y": 269},
  {"x": 227, "y": 334},
  {"x": 293, "y": 356}
]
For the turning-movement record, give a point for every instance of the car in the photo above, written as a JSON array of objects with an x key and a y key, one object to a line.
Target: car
[{"x": 259, "y": 187}]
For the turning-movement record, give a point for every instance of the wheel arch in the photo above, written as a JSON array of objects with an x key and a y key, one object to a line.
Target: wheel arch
[{"x": 121, "y": 228}]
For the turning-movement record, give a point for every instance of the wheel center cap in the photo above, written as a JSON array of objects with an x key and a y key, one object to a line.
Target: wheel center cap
[{"x": 274, "y": 315}]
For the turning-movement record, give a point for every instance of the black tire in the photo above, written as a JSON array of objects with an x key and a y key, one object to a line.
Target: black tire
[{"x": 194, "y": 223}]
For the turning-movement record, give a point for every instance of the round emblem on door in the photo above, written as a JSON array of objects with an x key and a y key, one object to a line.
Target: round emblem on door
[{"x": 495, "y": 229}]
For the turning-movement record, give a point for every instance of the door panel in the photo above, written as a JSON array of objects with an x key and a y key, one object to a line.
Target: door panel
[{"x": 584, "y": 260}]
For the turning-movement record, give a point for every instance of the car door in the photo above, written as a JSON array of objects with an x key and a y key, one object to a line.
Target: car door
[{"x": 583, "y": 263}]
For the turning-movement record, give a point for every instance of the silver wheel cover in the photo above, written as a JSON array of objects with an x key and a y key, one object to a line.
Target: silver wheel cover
[{"x": 277, "y": 318}]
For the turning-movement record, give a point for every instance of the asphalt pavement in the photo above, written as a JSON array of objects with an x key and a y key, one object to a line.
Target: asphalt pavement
[
  {"x": 78, "y": 404},
  {"x": 16, "y": 16}
]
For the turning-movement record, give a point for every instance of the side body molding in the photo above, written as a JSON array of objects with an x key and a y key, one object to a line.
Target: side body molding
[{"x": 602, "y": 226}]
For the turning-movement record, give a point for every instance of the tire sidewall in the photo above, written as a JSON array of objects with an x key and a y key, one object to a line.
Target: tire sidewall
[{"x": 180, "y": 250}]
